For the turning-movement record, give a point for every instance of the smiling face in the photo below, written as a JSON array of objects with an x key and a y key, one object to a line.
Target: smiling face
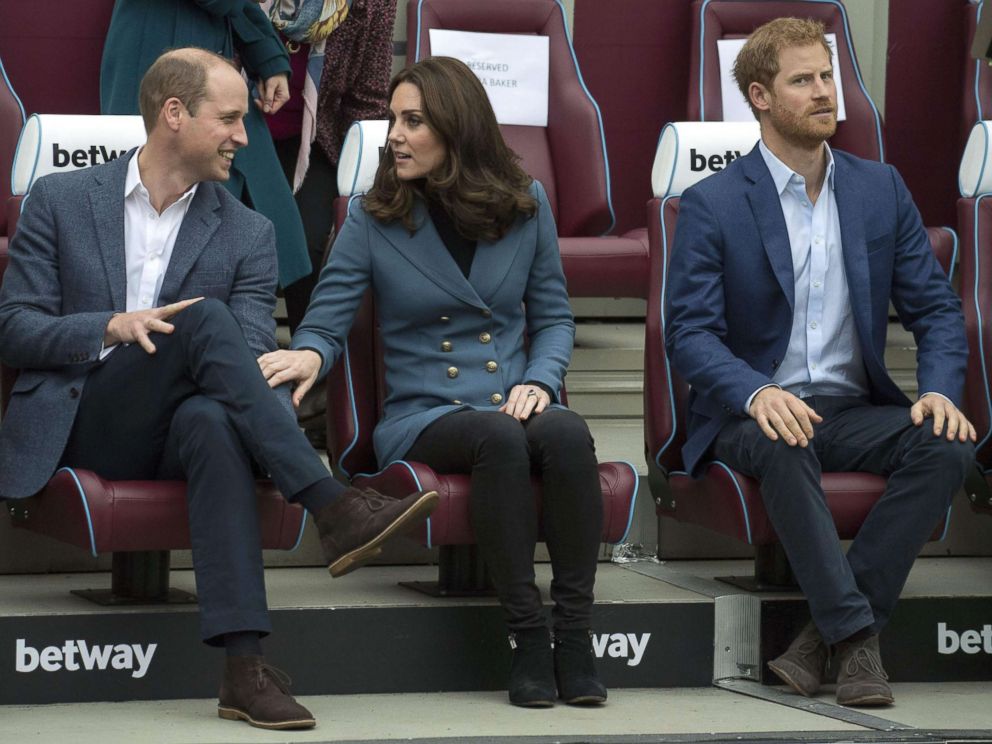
[
  {"x": 416, "y": 147},
  {"x": 210, "y": 136},
  {"x": 801, "y": 106}
]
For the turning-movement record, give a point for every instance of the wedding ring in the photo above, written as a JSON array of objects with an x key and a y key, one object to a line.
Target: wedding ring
[{"x": 530, "y": 393}]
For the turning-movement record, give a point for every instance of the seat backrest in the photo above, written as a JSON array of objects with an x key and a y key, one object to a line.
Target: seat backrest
[
  {"x": 975, "y": 227},
  {"x": 682, "y": 151},
  {"x": 569, "y": 155},
  {"x": 11, "y": 122},
  {"x": 686, "y": 153},
  {"x": 860, "y": 133}
]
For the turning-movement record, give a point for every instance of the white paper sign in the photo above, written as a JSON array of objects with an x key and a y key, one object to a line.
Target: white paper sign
[
  {"x": 735, "y": 106},
  {"x": 513, "y": 69}
]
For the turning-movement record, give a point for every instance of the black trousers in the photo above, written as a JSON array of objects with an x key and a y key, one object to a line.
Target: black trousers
[
  {"x": 199, "y": 409},
  {"x": 500, "y": 453},
  {"x": 849, "y": 592}
]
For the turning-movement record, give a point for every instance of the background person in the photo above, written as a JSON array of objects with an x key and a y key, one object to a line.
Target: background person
[
  {"x": 140, "y": 30},
  {"x": 461, "y": 251},
  {"x": 777, "y": 307}
]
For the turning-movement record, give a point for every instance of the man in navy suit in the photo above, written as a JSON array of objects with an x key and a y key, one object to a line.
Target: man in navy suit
[
  {"x": 777, "y": 307},
  {"x": 138, "y": 298}
]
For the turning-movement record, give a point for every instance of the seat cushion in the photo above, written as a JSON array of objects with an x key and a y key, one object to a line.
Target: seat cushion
[
  {"x": 451, "y": 523},
  {"x": 609, "y": 266},
  {"x": 730, "y": 503},
  {"x": 81, "y": 508}
]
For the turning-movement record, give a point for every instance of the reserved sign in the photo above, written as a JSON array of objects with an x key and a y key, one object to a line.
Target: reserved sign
[{"x": 513, "y": 69}]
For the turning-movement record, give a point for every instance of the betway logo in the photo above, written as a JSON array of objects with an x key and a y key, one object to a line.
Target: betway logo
[
  {"x": 627, "y": 646},
  {"x": 75, "y": 655},
  {"x": 81, "y": 158},
  {"x": 968, "y": 641},
  {"x": 699, "y": 162}
]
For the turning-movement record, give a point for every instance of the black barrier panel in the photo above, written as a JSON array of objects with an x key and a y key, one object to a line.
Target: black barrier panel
[
  {"x": 157, "y": 655},
  {"x": 928, "y": 639}
]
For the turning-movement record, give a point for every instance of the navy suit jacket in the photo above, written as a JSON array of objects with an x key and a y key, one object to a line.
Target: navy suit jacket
[
  {"x": 66, "y": 278},
  {"x": 730, "y": 289}
]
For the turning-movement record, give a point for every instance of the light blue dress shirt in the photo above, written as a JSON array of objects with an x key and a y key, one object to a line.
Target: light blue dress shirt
[{"x": 824, "y": 353}]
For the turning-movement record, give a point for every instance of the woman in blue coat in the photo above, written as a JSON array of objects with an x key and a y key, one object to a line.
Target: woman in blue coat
[
  {"x": 461, "y": 251},
  {"x": 140, "y": 30}
]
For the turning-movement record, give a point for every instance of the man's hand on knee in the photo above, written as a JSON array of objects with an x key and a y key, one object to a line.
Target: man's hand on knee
[
  {"x": 945, "y": 415},
  {"x": 782, "y": 414},
  {"x": 134, "y": 327}
]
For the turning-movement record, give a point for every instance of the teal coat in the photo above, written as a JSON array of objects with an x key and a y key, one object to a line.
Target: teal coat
[
  {"x": 449, "y": 342},
  {"x": 140, "y": 30}
]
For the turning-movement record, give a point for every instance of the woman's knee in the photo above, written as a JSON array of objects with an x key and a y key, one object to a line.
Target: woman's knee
[
  {"x": 560, "y": 430},
  {"x": 501, "y": 436}
]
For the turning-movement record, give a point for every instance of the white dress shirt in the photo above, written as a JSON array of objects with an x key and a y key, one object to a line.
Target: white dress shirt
[{"x": 149, "y": 239}]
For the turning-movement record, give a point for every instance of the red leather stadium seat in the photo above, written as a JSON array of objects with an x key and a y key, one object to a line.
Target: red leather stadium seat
[
  {"x": 724, "y": 500},
  {"x": 568, "y": 156},
  {"x": 11, "y": 121}
]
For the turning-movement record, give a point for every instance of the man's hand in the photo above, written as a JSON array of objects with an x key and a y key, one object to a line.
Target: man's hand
[
  {"x": 128, "y": 328},
  {"x": 283, "y": 366},
  {"x": 274, "y": 92},
  {"x": 943, "y": 412},
  {"x": 525, "y": 400},
  {"x": 780, "y": 413}
]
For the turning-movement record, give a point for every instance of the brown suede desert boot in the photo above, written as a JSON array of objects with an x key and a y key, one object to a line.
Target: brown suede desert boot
[
  {"x": 861, "y": 680},
  {"x": 255, "y": 692},
  {"x": 353, "y": 528},
  {"x": 803, "y": 664}
]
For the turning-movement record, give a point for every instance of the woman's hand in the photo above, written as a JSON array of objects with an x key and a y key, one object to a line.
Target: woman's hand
[
  {"x": 273, "y": 92},
  {"x": 283, "y": 366},
  {"x": 525, "y": 400}
]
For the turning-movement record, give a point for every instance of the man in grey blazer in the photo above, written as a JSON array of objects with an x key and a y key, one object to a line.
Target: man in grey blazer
[{"x": 138, "y": 298}]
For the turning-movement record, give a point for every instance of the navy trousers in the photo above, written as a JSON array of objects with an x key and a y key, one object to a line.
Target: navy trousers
[
  {"x": 199, "y": 409},
  {"x": 858, "y": 590}
]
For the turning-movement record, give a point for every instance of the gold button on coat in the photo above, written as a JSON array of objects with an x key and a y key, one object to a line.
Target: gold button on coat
[
  {"x": 445, "y": 319},
  {"x": 491, "y": 366},
  {"x": 452, "y": 372},
  {"x": 486, "y": 314},
  {"x": 496, "y": 398},
  {"x": 485, "y": 338},
  {"x": 446, "y": 346}
]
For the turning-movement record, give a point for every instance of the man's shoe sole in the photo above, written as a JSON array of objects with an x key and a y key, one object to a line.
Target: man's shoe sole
[
  {"x": 787, "y": 672},
  {"x": 875, "y": 699},
  {"x": 585, "y": 700},
  {"x": 361, "y": 555},
  {"x": 236, "y": 714}
]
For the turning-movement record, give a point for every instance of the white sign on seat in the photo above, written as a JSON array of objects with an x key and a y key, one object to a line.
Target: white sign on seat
[
  {"x": 735, "y": 106},
  {"x": 513, "y": 68},
  {"x": 689, "y": 151},
  {"x": 53, "y": 143},
  {"x": 360, "y": 155}
]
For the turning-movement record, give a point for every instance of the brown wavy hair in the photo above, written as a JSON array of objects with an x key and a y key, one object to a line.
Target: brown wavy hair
[{"x": 480, "y": 183}]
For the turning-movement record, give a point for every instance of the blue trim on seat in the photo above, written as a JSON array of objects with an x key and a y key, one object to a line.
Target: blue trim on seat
[
  {"x": 354, "y": 408},
  {"x": 599, "y": 117},
  {"x": 978, "y": 315},
  {"x": 633, "y": 501},
  {"x": 416, "y": 481},
  {"x": 20, "y": 105},
  {"x": 850, "y": 48},
  {"x": 86, "y": 507},
  {"x": 358, "y": 165},
  {"x": 299, "y": 537},
  {"x": 978, "y": 67},
  {"x": 661, "y": 311},
  {"x": 740, "y": 495},
  {"x": 416, "y": 49},
  {"x": 947, "y": 524},
  {"x": 954, "y": 252}
]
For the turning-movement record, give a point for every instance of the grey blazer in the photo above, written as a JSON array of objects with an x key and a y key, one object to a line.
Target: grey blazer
[
  {"x": 66, "y": 278},
  {"x": 449, "y": 342}
]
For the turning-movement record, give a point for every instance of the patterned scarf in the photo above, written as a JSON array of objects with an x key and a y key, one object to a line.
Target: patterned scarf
[{"x": 307, "y": 22}]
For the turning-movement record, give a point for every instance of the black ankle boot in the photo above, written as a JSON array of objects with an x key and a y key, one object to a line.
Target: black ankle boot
[
  {"x": 532, "y": 683},
  {"x": 575, "y": 668}
]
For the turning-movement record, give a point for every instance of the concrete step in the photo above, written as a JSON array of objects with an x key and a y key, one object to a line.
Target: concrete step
[
  {"x": 603, "y": 345},
  {"x": 609, "y": 394}
]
